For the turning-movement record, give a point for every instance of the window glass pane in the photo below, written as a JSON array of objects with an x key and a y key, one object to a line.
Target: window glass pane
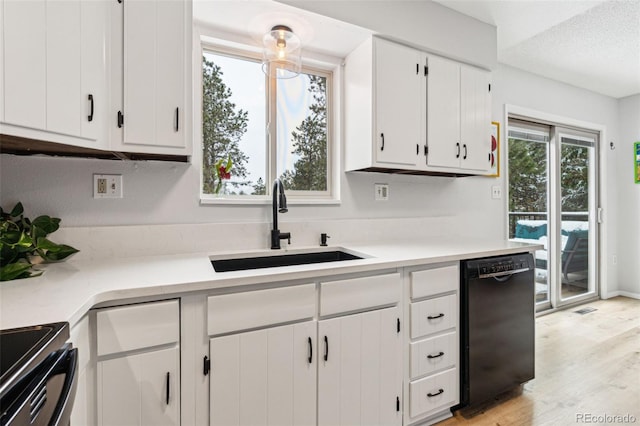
[
  {"x": 528, "y": 215},
  {"x": 302, "y": 132},
  {"x": 233, "y": 125}
]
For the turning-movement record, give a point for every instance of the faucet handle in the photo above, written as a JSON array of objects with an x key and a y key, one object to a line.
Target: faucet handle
[{"x": 323, "y": 239}]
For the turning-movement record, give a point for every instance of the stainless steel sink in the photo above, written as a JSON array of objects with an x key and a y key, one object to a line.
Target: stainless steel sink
[{"x": 271, "y": 261}]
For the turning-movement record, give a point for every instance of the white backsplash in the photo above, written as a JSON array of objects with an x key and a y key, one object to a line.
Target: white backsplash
[{"x": 144, "y": 240}]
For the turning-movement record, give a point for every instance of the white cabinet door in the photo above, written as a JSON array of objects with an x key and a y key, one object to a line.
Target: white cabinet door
[
  {"x": 155, "y": 54},
  {"x": 399, "y": 75},
  {"x": 360, "y": 370},
  {"x": 54, "y": 58},
  {"x": 475, "y": 119},
  {"x": 64, "y": 106},
  {"x": 458, "y": 116},
  {"x": 93, "y": 74},
  {"x": 443, "y": 113},
  {"x": 141, "y": 389},
  {"x": 265, "y": 377},
  {"x": 25, "y": 63}
]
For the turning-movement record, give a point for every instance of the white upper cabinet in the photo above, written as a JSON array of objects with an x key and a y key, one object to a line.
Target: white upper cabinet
[
  {"x": 397, "y": 106},
  {"x": 384, "y": 94},
  {"x": 443, "y": 113},
  {"x": 151, "y": 91},
  {"x": 475, "y": 118},
  {"x": 458, "y": 116},
  {"x": 54, "y": 69},
  {"x": 409, "y": 111},
  {"x": 25, "y": 63}
]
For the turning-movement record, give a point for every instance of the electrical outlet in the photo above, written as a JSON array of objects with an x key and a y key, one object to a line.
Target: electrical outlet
[
  {"x": 381, "y": 191},
  {"x": 496, "y": 192},
  {"x": 107, "y": 186},
  {"x": 614, "y": 259}
]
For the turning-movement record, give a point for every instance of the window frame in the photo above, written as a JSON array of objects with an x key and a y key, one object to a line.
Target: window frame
[{"x": 324, "y": 66}]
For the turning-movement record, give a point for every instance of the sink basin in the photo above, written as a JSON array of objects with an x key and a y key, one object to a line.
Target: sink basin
[{"x": 289, "y": 259}]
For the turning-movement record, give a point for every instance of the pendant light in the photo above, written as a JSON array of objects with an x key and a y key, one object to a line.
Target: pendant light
[{"x": 281, "y": 53}]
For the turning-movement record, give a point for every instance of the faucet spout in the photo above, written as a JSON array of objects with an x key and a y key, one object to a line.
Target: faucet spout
[{"x": 278, "y": 204}]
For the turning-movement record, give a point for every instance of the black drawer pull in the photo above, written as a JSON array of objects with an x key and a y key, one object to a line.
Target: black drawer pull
[
  {"x": 168, "y": 386},
  {"x": 458, "y": 150},
  {"x": 310, "y": 359},
  {"x": 177, "y": 119},
  {"x": 382, "y": 137},
  {"x": 435, "y": 356},
  {"x": 326, "y": 348},
  {"x": 436, "y": 317},
  {"x": 90, "y": 117},
  {"x": 431, "y": 395}
]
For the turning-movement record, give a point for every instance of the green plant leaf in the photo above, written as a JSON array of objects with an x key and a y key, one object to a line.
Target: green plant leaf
[
  {"x": 17, "y": 210},
  {"x": 15, "y": 270},
  {"x": 45, "y": 244},
  {"x": 46, "y": 223},
  {"x": 62, "y": 252}
]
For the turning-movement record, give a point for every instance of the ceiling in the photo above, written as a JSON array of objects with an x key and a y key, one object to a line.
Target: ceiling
[
  {"x": 593, "y": 44},
  {"x": 590, "y": 44}
]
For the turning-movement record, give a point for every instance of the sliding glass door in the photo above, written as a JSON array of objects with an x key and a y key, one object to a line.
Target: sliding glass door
[{"x": 553, "y": 202}]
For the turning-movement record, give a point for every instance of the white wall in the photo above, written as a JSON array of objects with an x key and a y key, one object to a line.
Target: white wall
[
  {"x": 424, "y": 24},
  {"x": 628, "y": 198}
]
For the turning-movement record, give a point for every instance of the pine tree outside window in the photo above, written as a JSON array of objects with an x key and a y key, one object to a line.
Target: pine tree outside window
[{"x": 264, "y": 128}]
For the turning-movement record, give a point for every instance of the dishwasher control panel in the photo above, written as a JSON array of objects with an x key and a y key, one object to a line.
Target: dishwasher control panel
[{"x": 503, "y": 265}]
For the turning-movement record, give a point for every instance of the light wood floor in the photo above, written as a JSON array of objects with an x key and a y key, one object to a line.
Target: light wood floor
[{"x": 584, "y": 364}]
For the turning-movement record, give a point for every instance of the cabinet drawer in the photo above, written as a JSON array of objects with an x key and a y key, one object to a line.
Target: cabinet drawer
[
  {"x": 434, "y": 315},
  {"x": 434, "y": 281},
  {"x": 133, "y": 327},
  {"x": 359, "y": 293},
  {"x": 434, "y": 354},
  {"x": 242, "y": 311},
  {"x": 433, "y": 393}
]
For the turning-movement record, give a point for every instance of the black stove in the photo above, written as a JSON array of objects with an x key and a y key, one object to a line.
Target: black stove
[{"x": 37, "y": 375}]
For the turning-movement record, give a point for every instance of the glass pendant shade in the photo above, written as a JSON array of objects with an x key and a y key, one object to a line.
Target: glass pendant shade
[{"x": 281, "y": 55}]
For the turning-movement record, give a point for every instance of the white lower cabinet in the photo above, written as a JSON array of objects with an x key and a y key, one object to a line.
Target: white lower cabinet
[
  {"x": 141, "y": 389},
  {"x": 360, "y": 369},
  {"x": 138, "y": 364},
  {"x": 432, "y": 379},
  {"x": 265, "y": 377},
  {"x": 433, "y": 393},
  {"x": 298, "y": 356}
]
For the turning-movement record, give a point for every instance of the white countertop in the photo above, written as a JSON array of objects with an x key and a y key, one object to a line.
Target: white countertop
[{"x": 67, "y": 290}]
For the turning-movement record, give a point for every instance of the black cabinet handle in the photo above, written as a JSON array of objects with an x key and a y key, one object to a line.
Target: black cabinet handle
[
  {"x": 310, "y": 350},
  {"x": 436, "y": 317},
  {"x": 326, "y": 348},
  {"x": 464, "y": 147},
  {"x": 206, "y": 365},
  {"x": 120, "y": 119},
  {"x": 431, "y": 395},
  {"x": 457, "y": 149},
  {"x": 177, "y": 119},
  {"x": 382, "y": 137},
  {"x": 168, "y": 386},
  {"x": 435, "y": 356},
  {"x": 90, "y": 117}
]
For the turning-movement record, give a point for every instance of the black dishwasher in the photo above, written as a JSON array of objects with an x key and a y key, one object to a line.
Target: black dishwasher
[{"x": 497, "y": 326}]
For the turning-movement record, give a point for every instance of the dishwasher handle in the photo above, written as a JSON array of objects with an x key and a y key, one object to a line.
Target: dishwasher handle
[{"x": 503, "y": 274}]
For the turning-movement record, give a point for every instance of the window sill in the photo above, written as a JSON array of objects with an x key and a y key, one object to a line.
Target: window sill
[{"x": 267, "y": 201}]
